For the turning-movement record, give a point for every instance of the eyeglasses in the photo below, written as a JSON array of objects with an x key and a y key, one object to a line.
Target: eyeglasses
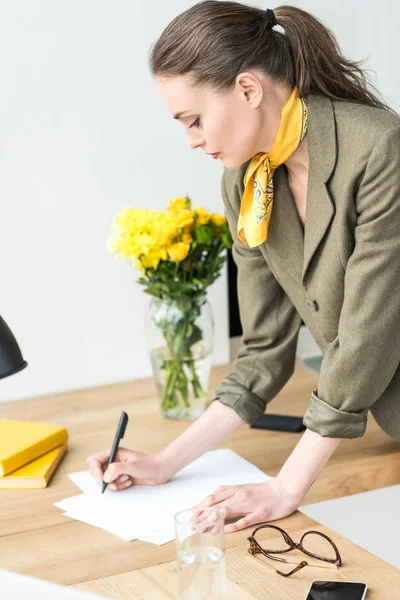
[{"x": 313, "y": 543}]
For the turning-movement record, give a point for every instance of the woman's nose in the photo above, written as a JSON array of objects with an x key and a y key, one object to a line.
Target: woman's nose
[{"x": 195, "y": 143}]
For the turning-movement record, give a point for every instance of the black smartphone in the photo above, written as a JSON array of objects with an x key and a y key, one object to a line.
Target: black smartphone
[
  {"x": 279, "y": 423},
  {"x": 337, "y": 590}
]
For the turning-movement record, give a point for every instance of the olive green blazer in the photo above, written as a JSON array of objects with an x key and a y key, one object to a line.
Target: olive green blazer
[{"x": 340, "y": 274}]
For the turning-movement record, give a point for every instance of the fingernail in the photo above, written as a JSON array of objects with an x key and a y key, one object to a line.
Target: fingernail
[
  {"x": 128, "y": 484},
  {"x": 112, "y": 486},
  {"x": 124, "y": 478},
  {"x": 106, "y": 477},
  {"x": 215, "y": 530}
]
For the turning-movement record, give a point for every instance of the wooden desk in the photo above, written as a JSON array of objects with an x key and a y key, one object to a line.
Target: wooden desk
[{"x": 36, "y": 539}]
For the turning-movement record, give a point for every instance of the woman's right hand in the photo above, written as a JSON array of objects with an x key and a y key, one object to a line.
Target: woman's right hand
[{"x": 129, "y": 468}]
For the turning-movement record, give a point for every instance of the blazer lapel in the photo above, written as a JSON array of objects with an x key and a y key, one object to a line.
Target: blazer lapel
[
  {"x": 285, "y": 242},
  {"x": 322, "y": 150}
]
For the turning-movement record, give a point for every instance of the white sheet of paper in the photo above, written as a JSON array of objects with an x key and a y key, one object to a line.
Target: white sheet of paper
[
  {"x": 160, "y": 537},
  {"x": 111, "y": 528},
  {"x": 147, "y": 512},
  {"x": 101, "y": 512},
  {"x": 84, "y": 481},
  {"x": 14, "y": 586},
  {"x": 167, "y": 534}
]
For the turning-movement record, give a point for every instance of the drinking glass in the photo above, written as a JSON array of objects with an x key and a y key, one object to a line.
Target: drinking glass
[{"x": 201, "y": 554}]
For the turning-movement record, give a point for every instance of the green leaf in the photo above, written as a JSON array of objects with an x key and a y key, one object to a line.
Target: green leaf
[{"x": 204, "y": 233}]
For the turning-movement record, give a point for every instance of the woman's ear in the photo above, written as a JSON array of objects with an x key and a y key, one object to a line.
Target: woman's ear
[{"x": 250, "y": 87}]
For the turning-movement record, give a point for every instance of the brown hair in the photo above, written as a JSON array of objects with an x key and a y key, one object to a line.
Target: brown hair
[{"x": 213, "y": 41}]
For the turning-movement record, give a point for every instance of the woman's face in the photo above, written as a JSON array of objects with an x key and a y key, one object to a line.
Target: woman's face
[{"x": 236, "y": 125}]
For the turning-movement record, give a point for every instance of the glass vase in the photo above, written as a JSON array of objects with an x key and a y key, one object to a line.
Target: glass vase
[{"x": 180, "y": 337}]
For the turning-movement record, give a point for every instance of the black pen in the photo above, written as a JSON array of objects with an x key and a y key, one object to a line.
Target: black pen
[{"x": 123, "y": 422}]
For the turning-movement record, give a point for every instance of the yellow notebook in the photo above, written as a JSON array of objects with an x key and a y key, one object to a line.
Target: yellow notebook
[
  {"x": 35, "y": 474},
  {"x": 23, "y": 441}
]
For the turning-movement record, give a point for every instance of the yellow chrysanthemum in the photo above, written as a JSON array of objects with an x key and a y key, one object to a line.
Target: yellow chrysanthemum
[
  {"x": 186, "y": 238},
  {"x": 178, "y": 251},
  {"x": 142, "y": 236},
  {"x": 180, "y": 213},
  {"x": 180, "y": 203},
  {"x": 183, "y": 219},
  {"x": 152, "y": 258},
  {"x": 147, "y": 236},
  {"x": 167, "y": 228},
  {"x": 203, "y": 216},
  {"x": 218, "y": 219},
  {"x": 114, "y": 238}
]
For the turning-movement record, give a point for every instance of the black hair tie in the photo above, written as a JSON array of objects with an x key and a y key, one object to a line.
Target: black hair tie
[{"x": 271, "y": 18}]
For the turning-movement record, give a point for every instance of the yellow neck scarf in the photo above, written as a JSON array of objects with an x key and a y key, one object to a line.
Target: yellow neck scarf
[{"x": 256, "y": 205}]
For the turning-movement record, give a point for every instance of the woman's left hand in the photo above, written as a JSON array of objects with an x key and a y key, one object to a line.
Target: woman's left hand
[{"x": 254, "y": 503}]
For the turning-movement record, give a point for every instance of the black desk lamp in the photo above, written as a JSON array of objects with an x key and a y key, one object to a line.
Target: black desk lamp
[{"x": 11, "y": 360}]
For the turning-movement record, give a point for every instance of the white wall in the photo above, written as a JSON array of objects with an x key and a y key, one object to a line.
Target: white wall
[{"x": 83, "y": 133}]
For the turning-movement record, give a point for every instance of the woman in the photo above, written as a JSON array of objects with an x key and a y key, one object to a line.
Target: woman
[{"x": 311, "y": 189}]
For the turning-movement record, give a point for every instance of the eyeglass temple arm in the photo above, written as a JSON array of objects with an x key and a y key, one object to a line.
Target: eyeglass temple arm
[{"x": 265, "y": 564}]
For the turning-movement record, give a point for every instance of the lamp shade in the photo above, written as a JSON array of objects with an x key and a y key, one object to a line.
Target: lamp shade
[{"x": 11, "y": 360}]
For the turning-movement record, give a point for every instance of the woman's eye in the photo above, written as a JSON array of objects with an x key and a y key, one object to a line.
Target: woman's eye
[{"x": 196, "y": 123}]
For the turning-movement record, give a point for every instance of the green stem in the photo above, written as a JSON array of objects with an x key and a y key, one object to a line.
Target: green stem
[
  {"x": 169, "y": 386},
  {"x": 176, "y": 389},
  {"x": 195, "y": 381}
]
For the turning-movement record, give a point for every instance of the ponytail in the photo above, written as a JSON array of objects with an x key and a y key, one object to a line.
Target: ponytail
[{"x": 213, "y": 41}]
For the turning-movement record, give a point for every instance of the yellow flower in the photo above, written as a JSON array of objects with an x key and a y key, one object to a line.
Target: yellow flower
[
  {"x": 178, "y": 251},
  {"x": 180, "y": 213},
  {"x": 166, "y": 228},
  {"x": 142, "y": 236},
  {"x": 180, "y": 203},
  {"x": 146, "y": 237},
  {"x": 183, "y": 219},
  {"x": 153, "y": 257},
  {"x": 203, "y": 216},
  {"x": 186, "y": 238},
  {"x": 114, "y": 238},
  {"x": 218, "y": 219}
]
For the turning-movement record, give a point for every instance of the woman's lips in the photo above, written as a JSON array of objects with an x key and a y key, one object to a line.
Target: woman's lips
[{"x": 215, "y": 155}]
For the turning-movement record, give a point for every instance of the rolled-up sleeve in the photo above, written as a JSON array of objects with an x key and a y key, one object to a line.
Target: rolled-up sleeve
[
  {"x": 270, "y": 324},
  {"x": 361, "y": 361}
]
